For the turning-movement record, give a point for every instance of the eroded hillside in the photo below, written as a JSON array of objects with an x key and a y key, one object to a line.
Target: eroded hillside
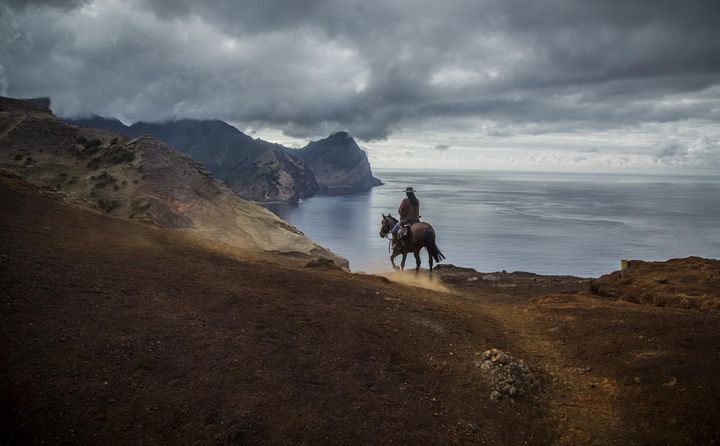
[{"x": 139, "y": 179}]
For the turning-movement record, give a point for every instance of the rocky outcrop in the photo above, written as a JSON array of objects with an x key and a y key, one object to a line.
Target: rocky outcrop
[
  {"x": 140, "y": 179},
  {"x": 337, "y": 162},
  {"x": 255, "y": 169}
]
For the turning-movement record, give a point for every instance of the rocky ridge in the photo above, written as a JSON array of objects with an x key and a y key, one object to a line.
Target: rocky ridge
[
  {"x": 140, "y": 179},
  {"x": 257, "y": 170}
]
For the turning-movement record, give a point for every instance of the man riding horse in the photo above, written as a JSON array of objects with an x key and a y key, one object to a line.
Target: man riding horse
[
  {"x": 409, "y": 211},
  {"x": 404, "y": 239}
]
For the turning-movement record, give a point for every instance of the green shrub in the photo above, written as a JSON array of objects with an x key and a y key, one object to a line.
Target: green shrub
[
  {"x": 107, "y": 205},
  {"x": 92, "y": 143},
  {"x": 120, "y": 156},
  {"x": 103, "y": 180}
]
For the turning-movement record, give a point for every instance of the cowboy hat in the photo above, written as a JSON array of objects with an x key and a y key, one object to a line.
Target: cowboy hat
[{"x": 409, "y": 189}]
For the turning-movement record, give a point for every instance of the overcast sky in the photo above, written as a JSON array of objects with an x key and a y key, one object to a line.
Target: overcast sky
[{"x": 551, "y": 84}]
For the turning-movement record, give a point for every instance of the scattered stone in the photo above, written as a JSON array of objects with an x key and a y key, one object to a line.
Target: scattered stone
[
  {"x": 509, "y": 376},
  {"x": 472, "y": 279},
  {"x": 320, "y": 263},
  {"x": 491, "y": 277}
]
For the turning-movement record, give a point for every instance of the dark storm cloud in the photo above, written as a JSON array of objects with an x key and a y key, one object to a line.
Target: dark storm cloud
[
  {"x": 313, "y": 66},
  {"x": 65, "y": 4}
]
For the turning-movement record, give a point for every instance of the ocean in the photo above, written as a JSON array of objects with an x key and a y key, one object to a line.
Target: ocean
[{"x": 546, "y": 223}]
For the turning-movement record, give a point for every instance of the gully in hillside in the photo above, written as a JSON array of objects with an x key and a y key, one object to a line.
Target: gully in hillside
[{"x": 409, "y": 234}]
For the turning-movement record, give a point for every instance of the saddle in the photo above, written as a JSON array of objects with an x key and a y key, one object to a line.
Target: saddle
[{"x": 404, "y": 231}]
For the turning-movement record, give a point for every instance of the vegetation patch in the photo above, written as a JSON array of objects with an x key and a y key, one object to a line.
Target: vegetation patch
[
  {"x": 118, "y": 155},
  {"x": 108, "y": 205},
  {"x": 103, "y": 180}
]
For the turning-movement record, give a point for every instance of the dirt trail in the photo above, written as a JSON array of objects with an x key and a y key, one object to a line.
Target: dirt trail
[
  {"x": 12, "y": 126},
  {"x": 581, "y": 404},
  {"x": 616, "y": 365}
]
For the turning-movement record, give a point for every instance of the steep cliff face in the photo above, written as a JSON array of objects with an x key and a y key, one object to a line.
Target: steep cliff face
[
  {"x": 337, "y": 162},
  {"x": 140, "y": 179},
  {"x": 257, "y": 170}
]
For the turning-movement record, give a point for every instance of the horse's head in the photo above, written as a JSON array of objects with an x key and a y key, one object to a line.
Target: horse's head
[{"x": 387, "y": 223}]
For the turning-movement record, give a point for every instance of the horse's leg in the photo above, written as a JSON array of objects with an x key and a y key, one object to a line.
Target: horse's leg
[
  {"x": 417, "y": 261},
  {"x": 392, "y": 259},
  {"x": 402, "y": 262},
  {"x": 431, "y": 262}
]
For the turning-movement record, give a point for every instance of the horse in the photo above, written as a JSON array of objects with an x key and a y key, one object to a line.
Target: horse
[{"x": 422, "y": 235}]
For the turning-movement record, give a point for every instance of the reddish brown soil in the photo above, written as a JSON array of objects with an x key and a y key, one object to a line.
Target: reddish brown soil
[
  {"x": 679, "y": 283},
  {"x": 113, "y": 332}
]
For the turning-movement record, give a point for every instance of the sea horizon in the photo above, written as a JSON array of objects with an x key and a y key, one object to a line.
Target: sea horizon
[{"x": 559, "y": 223}]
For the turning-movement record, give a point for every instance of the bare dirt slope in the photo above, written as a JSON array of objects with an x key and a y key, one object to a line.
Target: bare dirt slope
[{"x": 115, "y": 332}]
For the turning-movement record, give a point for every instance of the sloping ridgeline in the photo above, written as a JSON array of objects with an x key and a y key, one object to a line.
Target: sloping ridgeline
[
  {"x": 140, "y": 179},
  {"x": 255, "y": 169},
  {"x": 258, "y": 170}
]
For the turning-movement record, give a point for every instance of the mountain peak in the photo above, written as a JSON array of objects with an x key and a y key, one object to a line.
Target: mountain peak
[
  {"x": 340, "y": 134},
  {"x": 337, "y": 161}
]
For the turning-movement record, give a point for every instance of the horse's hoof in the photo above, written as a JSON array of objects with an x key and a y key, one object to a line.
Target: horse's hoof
[{"x": 396, "y": 268}]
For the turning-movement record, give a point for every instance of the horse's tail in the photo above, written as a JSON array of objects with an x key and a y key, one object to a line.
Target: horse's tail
[{"x": 432, "y": 247}]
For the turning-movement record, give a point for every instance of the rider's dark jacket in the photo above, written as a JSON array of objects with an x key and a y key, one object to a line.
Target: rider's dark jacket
[{"x": 408, "y": 212}]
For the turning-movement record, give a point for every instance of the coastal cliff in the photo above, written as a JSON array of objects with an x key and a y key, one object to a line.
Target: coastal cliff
[
  {"x": 257, "y": 170},
  {"x": 338, "y": 162},
  {"x": 140, "y": 179}
]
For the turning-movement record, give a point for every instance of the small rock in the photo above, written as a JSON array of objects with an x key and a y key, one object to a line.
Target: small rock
[
  {"x": 495, "y": 395},
  {"x": 512, "y": 391},
  {"x": 502, "y": 358}
]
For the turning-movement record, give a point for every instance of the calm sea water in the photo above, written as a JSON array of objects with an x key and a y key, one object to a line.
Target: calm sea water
[{"x": 548, "y": 223}]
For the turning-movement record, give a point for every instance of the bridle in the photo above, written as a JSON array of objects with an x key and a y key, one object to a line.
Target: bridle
[{"x": 386, "y": 234}]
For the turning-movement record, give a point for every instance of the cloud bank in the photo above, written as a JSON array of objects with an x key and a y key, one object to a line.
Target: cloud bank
[{"x": 560, "y": 72}]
